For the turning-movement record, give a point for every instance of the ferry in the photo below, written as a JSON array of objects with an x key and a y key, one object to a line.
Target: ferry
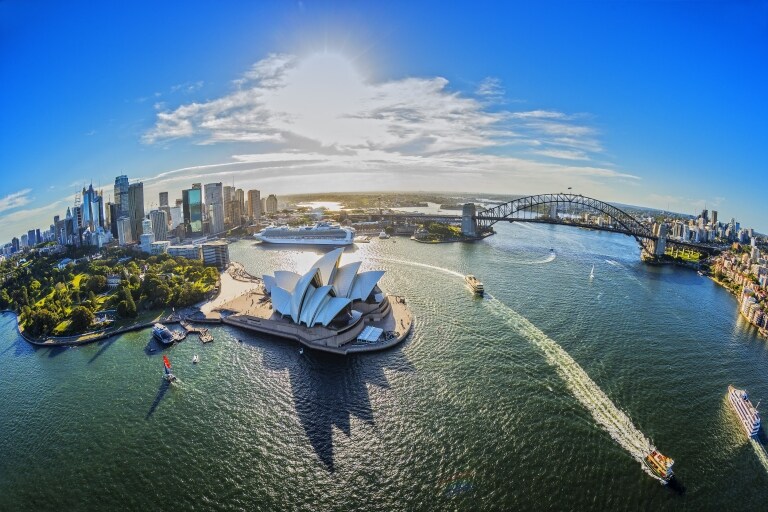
[
  {"x": 322, "y": 233},
  {"x": 475, "y": 284},
  {"x": 660, "y": 465},
  {"x": 747, "y": 413},
  {"x": 163, "y": 334}
]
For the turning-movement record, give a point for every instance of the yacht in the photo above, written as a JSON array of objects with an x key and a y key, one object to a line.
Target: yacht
[
  {"x": 322, "y": 233},
  {"x": 383, "y": 235},
  {"x": 475, "y": 284},
  {"x": 660, "y": 465},
  {"x": 747, "y": 413},
  {"x": 163, "y": 334},
  {"x": 195, "y": 359}
]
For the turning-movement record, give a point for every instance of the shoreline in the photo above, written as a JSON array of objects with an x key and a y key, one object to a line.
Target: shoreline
[{"x": 761, "y": 331}]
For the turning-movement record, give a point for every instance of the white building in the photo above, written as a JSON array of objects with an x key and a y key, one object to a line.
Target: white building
[
  {"x": 191, "y": 252},
  {"x": 323, "y": 293},
  {"x": 160, "y": 247}
]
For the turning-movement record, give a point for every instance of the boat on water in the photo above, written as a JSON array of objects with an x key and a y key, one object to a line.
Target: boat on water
[
  {"x": 592, "y": 272},
  {"x": 475, "y": 284},
  {"x": 660, "y": 465},
  {"x": 746, "y": 412},
  {"x": 163, "y": 334},
  {"x": 383, "y": 235},
  {"x": 167, "y": 375},
  {"x": 195, "y": 359},
  {"x": 322, "y": 233}
]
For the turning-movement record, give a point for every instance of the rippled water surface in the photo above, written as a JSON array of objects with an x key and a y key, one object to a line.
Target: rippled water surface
[{"x": 542, "y": 396}]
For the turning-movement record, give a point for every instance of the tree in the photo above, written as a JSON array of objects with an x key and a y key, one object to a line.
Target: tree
[
  {"x": 127, "y": 307},
  {"x": 81, "y": 318},
  {"x": 41, "y": 322},
  {"x": 96, "y": 284}
]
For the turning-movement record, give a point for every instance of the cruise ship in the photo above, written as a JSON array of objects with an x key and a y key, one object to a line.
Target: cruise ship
[
  {"x": 747, "y": 413},
  {"x": 322, "y": 233}
]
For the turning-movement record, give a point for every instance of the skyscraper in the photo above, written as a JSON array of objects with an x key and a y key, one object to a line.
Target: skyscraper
[
  {"x": 163, "y": 199},
  {"x": 136, "y": 208},
  {"x": 271, "y": 204},
  {"x": 93, "y": 209},
  {"x": 159, "y": 224},
  {"x": 214, "y": 204},
  {"x": 192, "y": 201},
  {"x": 124, "y": 231},
  {"x": 121, "y": 196}
]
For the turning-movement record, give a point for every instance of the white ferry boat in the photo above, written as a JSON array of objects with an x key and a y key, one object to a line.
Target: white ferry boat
[
  {"x": 163, "y": 334},
  {"x": 747, "y": 413},
  {"x": 475, "y": 284},
  {"x": 322, "y": 233}
]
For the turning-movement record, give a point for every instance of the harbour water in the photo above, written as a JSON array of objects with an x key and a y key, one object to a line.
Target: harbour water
[{"x": 541, "y": 396}]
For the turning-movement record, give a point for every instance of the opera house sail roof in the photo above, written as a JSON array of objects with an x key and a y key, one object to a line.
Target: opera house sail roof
[{"x": 318, "y": 296}]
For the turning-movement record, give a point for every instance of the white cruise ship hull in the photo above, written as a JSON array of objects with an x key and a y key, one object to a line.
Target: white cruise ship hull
[
  {"x": 745, "y": 411},
  {"x": 306, "y": 241}
]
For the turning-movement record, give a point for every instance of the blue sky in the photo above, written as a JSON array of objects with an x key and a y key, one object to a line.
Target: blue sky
[{"x": 659, "y": 103}]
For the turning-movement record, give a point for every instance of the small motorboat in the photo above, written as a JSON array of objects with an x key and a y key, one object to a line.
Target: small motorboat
[
  {"x": 195, "y": 359},
  {"x": 301, "y": 350}
]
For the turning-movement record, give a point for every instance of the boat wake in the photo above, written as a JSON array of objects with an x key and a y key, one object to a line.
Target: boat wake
[
  {"x": 760, "y": 451},
  {"x": 606, "y": 414},
  {"x": 417, "y": 264},
  {"x": 548, "y": 259}
]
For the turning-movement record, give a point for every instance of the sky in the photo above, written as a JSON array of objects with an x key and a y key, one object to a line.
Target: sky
[{"x": 654, "y": 103}]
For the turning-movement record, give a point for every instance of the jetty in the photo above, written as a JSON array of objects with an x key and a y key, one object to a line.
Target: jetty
[{"x": 204, "y": 334}]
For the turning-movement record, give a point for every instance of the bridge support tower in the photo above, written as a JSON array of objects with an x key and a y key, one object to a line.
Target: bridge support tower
[{"x": 468, "y": 221}]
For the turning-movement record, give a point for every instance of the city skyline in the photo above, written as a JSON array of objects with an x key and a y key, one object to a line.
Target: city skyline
[{"x": 657, "y": 105}]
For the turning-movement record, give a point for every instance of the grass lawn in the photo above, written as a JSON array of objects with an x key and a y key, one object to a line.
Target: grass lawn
[
  {"x": 76, "y": 280},
  {"x": 144, "y": 317},
  {"x": 61, "y": 328}
]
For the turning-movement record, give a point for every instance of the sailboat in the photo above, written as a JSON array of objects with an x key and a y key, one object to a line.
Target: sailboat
[
  {"x": 167, "y": 375},
  {"x": 592, "y": 272}
]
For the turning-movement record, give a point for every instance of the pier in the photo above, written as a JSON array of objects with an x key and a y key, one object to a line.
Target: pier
[{"x": 204, "y": 334}]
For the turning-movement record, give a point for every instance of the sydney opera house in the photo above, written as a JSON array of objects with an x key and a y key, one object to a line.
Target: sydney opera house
[{"x": 326, "y": 294}]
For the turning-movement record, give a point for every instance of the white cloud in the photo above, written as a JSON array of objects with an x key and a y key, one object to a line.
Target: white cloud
[
  {"x": 318, "y": 118},
  {"x": 563, "y": 154},
  {"x": 490, "y": 86},
  {"x": 15, "y": 200}
]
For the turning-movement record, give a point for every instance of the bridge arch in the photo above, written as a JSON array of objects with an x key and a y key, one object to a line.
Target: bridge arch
[{"x": 622, "y": 221}]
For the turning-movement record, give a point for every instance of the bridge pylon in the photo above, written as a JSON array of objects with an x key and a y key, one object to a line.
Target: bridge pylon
[{"x": 468, "y": 220}]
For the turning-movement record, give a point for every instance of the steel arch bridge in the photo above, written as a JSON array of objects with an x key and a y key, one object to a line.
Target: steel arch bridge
[{"x": 522, "y": 208}]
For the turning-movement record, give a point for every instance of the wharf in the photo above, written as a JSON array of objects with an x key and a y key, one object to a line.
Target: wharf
[{"x": 204, "y": 334}]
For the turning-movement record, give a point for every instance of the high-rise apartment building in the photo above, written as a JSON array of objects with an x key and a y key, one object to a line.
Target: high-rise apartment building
[
  {"x": 124, "y": 235},
  {"x": 121, "y": 196},
  {"x": 271, "y": 204},
  {"x": 214, "y": 205},
  {"x": 159, "y": 224},
  {"x": 136, "y": 208}
]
